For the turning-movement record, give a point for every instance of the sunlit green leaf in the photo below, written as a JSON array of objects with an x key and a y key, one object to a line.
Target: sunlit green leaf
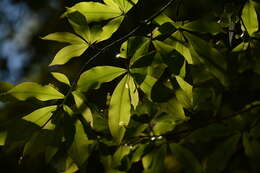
[
  {"x": 134, "y": 48},
  {"x": 41, "y": 116},
  {"x": 120, "y": 153},
  {"x": 125, "y": 5},
  {"x": 95, "y": 12},
  {"x": 64, "y": 37},
  {"x": 61, "y": 77},
  {"x": 110, "y": 28},
  {"x": 83, "y": 108},
  {"x": 119, "y": 110},
  {"x": 189, "y": 162},
  {"x": 147, "y": 85},
  {"x": 249, "y": 17},
  {"x": 94, "y": 77},
  {"x": 68, "y": 52},
  {"x": 29, "y": 89}
]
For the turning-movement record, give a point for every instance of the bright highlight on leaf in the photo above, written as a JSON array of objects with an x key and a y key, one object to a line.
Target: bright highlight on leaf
[{"x": 26, "y": 90}]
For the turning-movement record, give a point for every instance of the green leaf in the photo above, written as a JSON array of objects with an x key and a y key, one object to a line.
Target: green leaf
[
  {"x": 26, "y": 90},
  {"x": 134, "y": 48},
  {"x": 3, "y": 136},
  {"x": 80, "y": 99},
  {"x": 95, "y": 12},
  {"x": 110, "y": 28},
  {"x": 68, "y": 52},
  {"x": 249, "y": 17},
  {"x": 38, "y": 143},
  {"x": 41, "y": 116},
  {"x": 119, "y": 110},
  {"x": 189, "y": 162},
  {"x": 94, "y": 77},
  {"x": 139, "y": 152},
  {"x": 185, "y": 95},
  {"x": 147, "y": 85},
  {"x": 166, "y": 49},
  {"x": 153, "y": 162},
  {"x": 64, "y": 37},
  {"x": 81, "y": 147},
  {"x": 125, "y": 5},
  {"x": 163, "y": 124},
  {"x": 4, "y": 87},
  {"x": 208, "y": 55},
  {"x": 61, "y": 77},
  {"x": 204, "y": 25},
  {"x": 120, "y": 153},
  {"x": 133, "y": 92},
  {"x": 218, "y": 160},
  {"x": 175, "y": 109},
  {"x": 50, "y": 153},
  {"x": 65, "y": 164}
]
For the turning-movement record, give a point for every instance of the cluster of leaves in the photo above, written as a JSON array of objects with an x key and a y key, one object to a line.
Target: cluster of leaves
[{"x": 169, "y": 109}]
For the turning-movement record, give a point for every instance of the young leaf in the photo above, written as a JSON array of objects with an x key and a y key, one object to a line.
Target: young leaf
[
  {"x": 189, "y": 162},
  {"x": 61, "y": 77},
  {"x": 218, "y": 160},
  {"x": 26, "y": 90},
  {"x": 119, "y": 110},
  {"x": 249, "y": 17},
  {"x": 68, "y": 52},
  {"x": 81, "y": 147},
  {"x": 64, "y": 37},
  {"x": 94, "y": 77},
  {"x": 41, "y": 116},
  {"x": 83, "y": 108}
]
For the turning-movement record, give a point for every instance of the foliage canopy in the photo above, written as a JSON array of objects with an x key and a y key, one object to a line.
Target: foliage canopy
[{"x": 183, "y": 95}]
